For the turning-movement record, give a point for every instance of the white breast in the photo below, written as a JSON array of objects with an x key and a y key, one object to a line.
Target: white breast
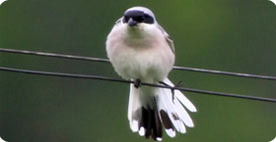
[{"x": 145, "y": 55}]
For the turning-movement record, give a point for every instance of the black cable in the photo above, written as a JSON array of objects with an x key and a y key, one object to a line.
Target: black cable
[
  {"x": 95, "y": 77},
  {"x": 84, "y": 58},
  {"x": 56, "y": 55}
]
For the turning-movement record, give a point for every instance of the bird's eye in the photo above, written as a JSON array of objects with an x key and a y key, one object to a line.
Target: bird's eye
[
  {"x": 125, "y": 19},
  {"x": 148, "y": 19},
  {"x": 138, "y": 16},
  {"x": 140, "y": 19}
]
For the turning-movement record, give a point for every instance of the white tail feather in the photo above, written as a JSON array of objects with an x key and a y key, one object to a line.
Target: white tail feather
[
  {"x": 172, "y": 105},
  {"x": 182, "y": 98},
  {"x": 133, "y": 105},
  {"x": 177, "y": 103},
  {"x": 165, "y": 103},
  {"x": 184, "y": 116},
  {"x": 170, "y": 132}
]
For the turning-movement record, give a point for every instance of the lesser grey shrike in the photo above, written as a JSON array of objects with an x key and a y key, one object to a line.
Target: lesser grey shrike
[{"x": 141, "y": 50}]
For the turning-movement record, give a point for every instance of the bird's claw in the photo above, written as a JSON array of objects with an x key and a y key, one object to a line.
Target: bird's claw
[
  {"x": 171, "y": 87},
  {"x": 179, "y": 84},
  {"x": 137, "y": 83}
]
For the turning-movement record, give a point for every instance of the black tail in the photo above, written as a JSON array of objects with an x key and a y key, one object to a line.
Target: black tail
[{"x": 151, "y": 123}]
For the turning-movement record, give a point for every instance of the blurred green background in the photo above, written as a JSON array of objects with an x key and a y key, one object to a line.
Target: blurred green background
[{"x": 231, "y": 35}]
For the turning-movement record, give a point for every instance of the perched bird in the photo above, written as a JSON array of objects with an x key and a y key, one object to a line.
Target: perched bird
[{"x": 140, "y": 50}]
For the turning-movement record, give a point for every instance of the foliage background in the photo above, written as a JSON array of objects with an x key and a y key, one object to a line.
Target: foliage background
[{"x": 231, "y": 35}]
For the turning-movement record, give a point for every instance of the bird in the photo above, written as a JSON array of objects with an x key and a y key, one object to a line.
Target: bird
[
  {"x": 140, "y": 50},
  {"x": 1, "y": 140},
  {"x": 274, "y": 1},
  {"x": 2, "y": 1}
]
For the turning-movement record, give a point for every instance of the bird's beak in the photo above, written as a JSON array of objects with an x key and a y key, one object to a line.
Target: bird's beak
[{"x": 131, "y": 22}]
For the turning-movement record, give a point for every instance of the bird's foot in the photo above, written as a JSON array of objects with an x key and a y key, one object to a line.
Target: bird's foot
[
  {"x": 171, "y": 87},
  {"x": 180, "y": 84},
  {"x": 137, "y": 83}
]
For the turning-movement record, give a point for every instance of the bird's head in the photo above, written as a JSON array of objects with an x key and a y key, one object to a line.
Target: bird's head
[{"x": 138, "y": 16}]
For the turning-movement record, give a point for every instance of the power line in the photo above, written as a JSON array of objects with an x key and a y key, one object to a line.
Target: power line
[
  {"x": 104, "y": 78},
  {"x": 246, "y": 75},
  {"x": 94, "y": 59},
  {"x": 55, "y": 55}
]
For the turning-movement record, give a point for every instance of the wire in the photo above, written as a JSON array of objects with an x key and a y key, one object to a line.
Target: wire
[
  {"x": 56, "y": 55},
  {"x": 246, "y": 75},
  {"x": 95, "y": 77},
  {"x": 84, "y": 58}
]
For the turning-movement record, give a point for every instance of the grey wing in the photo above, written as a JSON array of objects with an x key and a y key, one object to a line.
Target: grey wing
[{"x": 168, "y": 38}]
